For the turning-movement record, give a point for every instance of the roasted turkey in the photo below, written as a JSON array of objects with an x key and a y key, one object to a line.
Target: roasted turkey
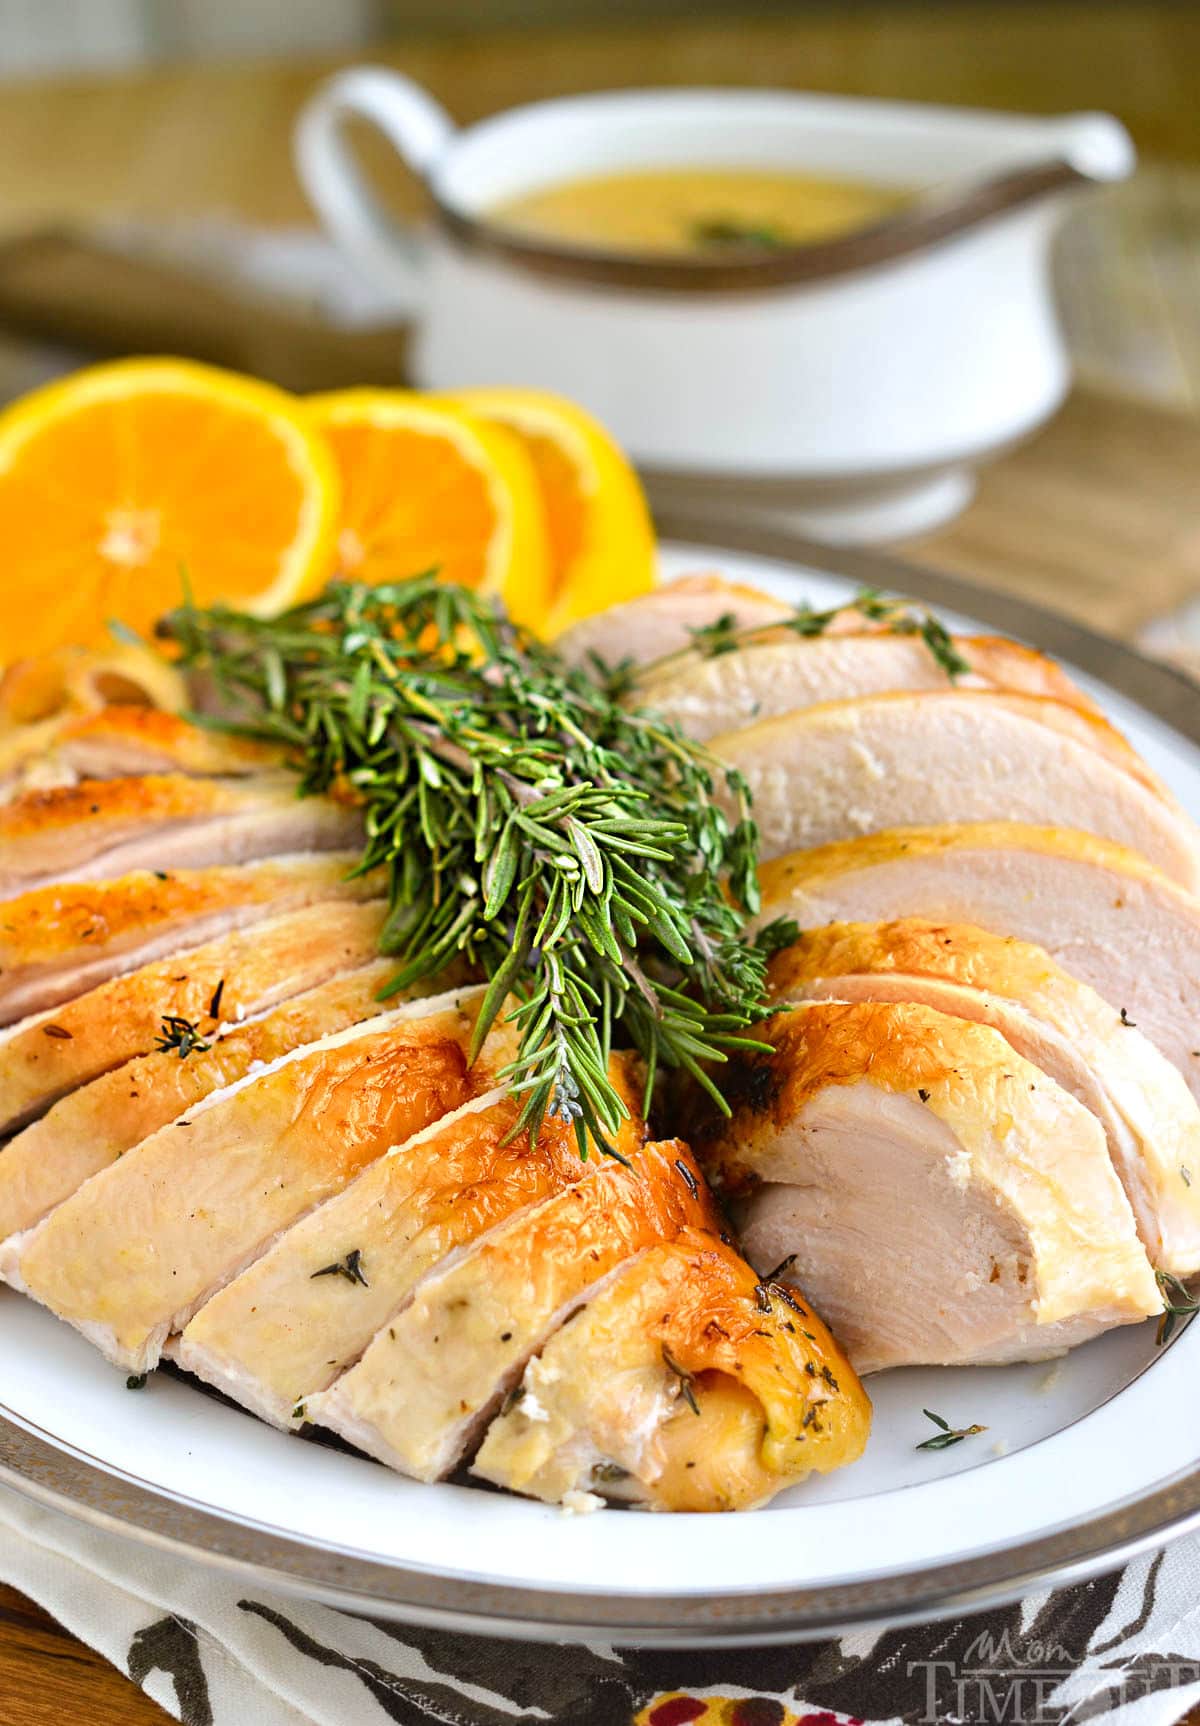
[
  {"x": 971, "y": 1136},
  {"x": 1100, "y": 910}
]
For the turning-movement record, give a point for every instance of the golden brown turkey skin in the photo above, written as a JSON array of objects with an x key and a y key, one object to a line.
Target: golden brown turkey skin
[
  {"x": 434, "y": 1372},
  {"x": 43, "y": 1058},
  {"x": 131, "y": 1254},
  {"x": 1100, "y": 910},
  {"x": 1149, "y": 1116},
  {"x": 941, "y": 1198},
  {"x": 100, "y": 828},
  {"x": 281, "y": 1332},
  {"x": 708, "y": 696},
  {"x": 120, "y": 740},
  {"x": 829, "y": 773},
  {"x": 91, "y": 1127},
  {"x": 686, "y": 1384},
  {"x": 56, "y": 942}
]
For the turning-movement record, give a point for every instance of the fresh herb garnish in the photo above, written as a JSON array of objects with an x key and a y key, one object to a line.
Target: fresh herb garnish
[
  {"x": 781, "y": 1269},
  {"x": 180, "y": 1034},
  {"x": 350, "y": 1267},
  {"x": 1178, "y": 1303},
  {"x": 728, "y": 233},
  {"x": 685, "y": 1379},
  {"x": 774, "y": 936},
  {"x": 609, "y": 1471},
  {"x": 573, "y": 851},
  {"x": 725, "y": 635},
  {"x": 948, "y": 1435}
]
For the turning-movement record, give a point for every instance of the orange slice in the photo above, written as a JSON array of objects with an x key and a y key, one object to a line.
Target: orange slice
[
  {"x": 117, "y": 479},
  {"x": 601, "y": 537},
  {"x": 426, "y": 485}
]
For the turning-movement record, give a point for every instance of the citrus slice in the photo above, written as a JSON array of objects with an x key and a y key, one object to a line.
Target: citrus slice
[
  {"x": 601, "y": 537},
  {"x": 119, "y": 480},
  {"x": 426, "y": 485}
]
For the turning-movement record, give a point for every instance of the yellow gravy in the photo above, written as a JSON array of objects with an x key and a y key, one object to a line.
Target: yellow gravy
[{"x": 697, "y": 212}]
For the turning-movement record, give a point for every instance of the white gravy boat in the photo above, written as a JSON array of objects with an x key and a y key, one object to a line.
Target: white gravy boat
[{"x": 855, "y": 382}]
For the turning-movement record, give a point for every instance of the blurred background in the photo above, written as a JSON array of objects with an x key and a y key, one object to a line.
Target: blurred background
[
  {"x": 166, "y": 123},
  {"x": 145, "y": 157}
]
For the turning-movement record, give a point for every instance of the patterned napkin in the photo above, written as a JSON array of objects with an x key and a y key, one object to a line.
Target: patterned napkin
[{"x": 1120, "y": 1651}]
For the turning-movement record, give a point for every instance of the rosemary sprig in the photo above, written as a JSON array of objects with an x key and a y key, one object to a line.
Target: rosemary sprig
[
  {"x": 726, "y": 635},
  {"x": 571, "y": 850},
  {"x": 1178, "y": 1303},
  {"x": 948, "y": 1435}
]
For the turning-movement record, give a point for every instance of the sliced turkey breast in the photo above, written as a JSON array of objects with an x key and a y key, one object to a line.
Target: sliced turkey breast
[
  {"x": 232, "y": 978},
  {"x": 130, "y": 1256},
  {"x": 283, "y": 1331},
  {"x": 39, "y": 697},
  {"x": 943, "y": 1201},
  {"x": 1148, "y": 1114},
  {"x": 684, "y": 1384},
  {"x": 93, "y": 1126},
  {"x": 57, "y": 942},
  {"x": 854, "y": 767},
  {"x": 706, "y": 697},
  {"x": 1100, "y": 910},
  {"x": 662, "y": 621},
  {"x": 434, "y": 1373},
  {"x": 121, "y": 740},
  {"x": 99, "y": 828}
]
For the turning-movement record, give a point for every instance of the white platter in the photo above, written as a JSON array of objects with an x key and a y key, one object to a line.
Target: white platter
[{"x": 1083, "y": 1461}]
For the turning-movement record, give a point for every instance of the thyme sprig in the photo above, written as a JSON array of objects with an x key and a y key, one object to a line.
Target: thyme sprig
[
  {"x": 179, "y": 1034},
  {"x": 1178, "y": 1303},
  {"x": 726, "y": 635},
  {"x": 947, "y": 1434},
  {"x": 571, "y": 850}
]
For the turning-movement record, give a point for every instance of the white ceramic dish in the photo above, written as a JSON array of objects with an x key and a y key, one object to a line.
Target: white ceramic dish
[
  {"x": 856, "y": 382},
  {"x": 1083, "y": 1460}
]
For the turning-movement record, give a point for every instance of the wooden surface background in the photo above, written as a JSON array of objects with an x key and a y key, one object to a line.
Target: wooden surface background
[{"x": 1096, "y": 516}]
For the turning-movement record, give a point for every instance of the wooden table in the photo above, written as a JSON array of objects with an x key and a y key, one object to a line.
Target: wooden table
[
  {"x": 48, "y": 1678},
  {"x": 1097, "y": 516}
]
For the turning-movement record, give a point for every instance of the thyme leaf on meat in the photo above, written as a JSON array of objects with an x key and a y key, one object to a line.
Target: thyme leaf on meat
[
  {"x": 609, "y": 1471},
  {"x": 726, "y": 635},
  {"x": 181, "y": 1035},
  {"x": 948, "y": 1435},
  {"x": 350, "y": 1268},
  {"x": 685, "y": 1378},
  {"x": 1178, "y": 1303},
  {"x": 589, "y": 860}
]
